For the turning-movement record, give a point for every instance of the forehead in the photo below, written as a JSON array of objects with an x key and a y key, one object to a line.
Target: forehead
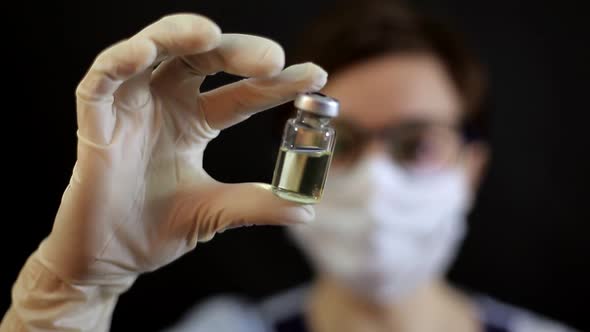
[{"x": 395, "y": 88}]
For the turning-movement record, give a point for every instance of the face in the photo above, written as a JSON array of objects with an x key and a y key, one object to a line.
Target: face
[
  {"x": 406, "y": 107},
  {"x": 392, "y": 213}
]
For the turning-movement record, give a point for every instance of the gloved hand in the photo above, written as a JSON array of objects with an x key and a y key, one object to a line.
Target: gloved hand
[{"x": 139, "y": 197}]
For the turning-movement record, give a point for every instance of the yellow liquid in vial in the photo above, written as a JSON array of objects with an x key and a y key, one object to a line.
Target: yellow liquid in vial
[{"x": 300, "y": 174}]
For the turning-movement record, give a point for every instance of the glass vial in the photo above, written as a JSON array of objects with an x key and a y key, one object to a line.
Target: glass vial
[{"x": 306, "y": 149}]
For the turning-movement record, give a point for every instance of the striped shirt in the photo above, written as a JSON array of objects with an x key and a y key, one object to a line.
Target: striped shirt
[{"x": 284, "y": 313}]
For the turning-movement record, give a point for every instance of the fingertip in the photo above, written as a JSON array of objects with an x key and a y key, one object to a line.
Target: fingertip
[
  {"x": 293, "y": 214},
  {"x": 272, "y": 60},
  {"x": 304, "y": 215},
  {"x": 289, "y": 213},
  {"x": 308, "y": 76},
  {"x": 184, "y": 33},
  {"x": 200, "y": 33},
  {"x": 316, "y": 69},
  {"x": 318, "y": 77},
  {"x": 281, "y": 211},
  {"x": 252, "y": 56},
  {"x": 280, "y": 60},
  {"x": 210, "y": 29}
]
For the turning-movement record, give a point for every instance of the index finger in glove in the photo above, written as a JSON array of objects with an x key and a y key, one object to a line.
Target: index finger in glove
[
  {"x": 238, "y": 54},
  {"x": 172, "y": 35}
]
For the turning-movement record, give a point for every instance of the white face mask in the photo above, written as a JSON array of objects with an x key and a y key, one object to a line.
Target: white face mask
[{"x": 382, "y": 231}]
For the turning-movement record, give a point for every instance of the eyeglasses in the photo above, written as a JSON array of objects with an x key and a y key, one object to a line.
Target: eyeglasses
[{"x": 413, "y": 144}]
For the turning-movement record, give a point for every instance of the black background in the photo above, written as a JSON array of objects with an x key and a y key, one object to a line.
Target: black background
[{"x": 528, "y": 242}]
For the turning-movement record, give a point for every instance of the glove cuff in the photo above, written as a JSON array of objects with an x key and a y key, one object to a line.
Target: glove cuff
[{"x": 41, "y": 299}]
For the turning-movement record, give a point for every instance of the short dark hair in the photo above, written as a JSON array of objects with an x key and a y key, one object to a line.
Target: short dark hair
[{"x": 355, "y": 31}]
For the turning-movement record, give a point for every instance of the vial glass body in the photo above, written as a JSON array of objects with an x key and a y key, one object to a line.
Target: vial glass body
[{"x": 304, "y": 158}]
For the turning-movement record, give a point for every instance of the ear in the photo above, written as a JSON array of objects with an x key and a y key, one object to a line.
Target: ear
[{"x": 475, "y": 159}]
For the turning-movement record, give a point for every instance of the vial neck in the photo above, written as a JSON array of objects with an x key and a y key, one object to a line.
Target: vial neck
[{"x": 312, "y": 119}]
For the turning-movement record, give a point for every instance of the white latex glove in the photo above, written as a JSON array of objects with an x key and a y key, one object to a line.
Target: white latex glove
[{"x": 139, "y": 197}]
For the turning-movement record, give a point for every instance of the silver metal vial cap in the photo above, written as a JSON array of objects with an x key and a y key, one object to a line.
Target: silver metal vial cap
[{"x": 317, "y": 103}]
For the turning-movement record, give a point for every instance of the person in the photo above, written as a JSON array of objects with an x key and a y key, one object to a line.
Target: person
[
  {"x": 409, "y": 157},
  {"x": 138, "y": 197},
  {"x": 393, "y": 208}
]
